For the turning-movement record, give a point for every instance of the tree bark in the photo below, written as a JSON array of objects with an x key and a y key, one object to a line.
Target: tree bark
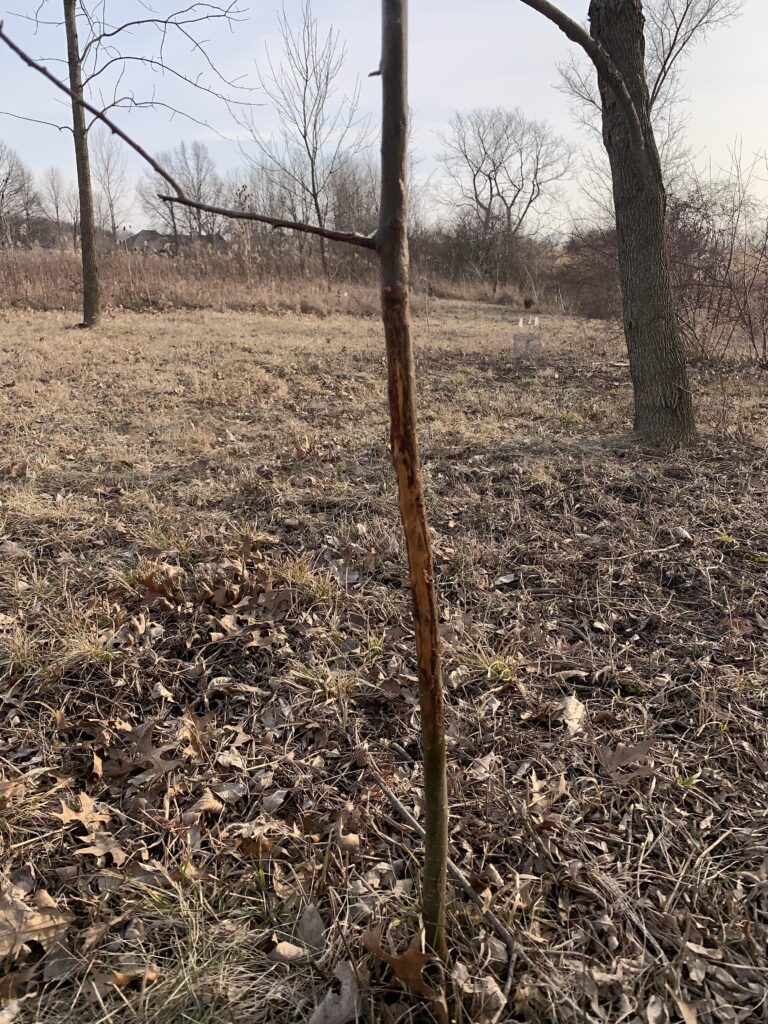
[
  {"x": 663, "y": 403},
  {"x": 91, "y": 289},
  {"x": 392, "y": 249}
]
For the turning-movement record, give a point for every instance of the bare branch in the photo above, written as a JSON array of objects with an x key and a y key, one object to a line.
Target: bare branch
[
  {"x": 603, "y": 63},
  {"x": 351, "y": 238},
  {"x": 36, "y": 120}
]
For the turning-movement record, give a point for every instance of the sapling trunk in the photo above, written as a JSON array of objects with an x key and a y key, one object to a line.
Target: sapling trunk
[{"x": 392, "y": 249}]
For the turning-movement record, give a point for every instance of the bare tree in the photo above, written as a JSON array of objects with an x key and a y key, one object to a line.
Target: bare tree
[
  {"x": 52, "y": 194},
  {"x": 673, "y": 28},
  {"x": 502, "y": 167},
  {"x": 194, "y": 169},
  {"x": 71, "y": 204},
  {"x": 18, "y": 196},
  {"x": 318, "y": 131},
  {"x": 718, "y": 231},
  {"x": 615, "y": 44},
  {"x": 110, "y": 174},
  {"x": 91, "y": 287},
  {"x": 98, "y": 55}
]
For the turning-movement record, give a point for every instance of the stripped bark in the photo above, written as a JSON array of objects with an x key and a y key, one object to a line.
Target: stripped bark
[{"x": 392, "y": 249}]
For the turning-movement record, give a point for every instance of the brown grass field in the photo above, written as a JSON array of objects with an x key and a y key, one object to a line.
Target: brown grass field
[{"x": 207, "y": 664}]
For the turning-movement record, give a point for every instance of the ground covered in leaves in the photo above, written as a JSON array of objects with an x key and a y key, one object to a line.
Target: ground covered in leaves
[{"x": 207, "y": 678}]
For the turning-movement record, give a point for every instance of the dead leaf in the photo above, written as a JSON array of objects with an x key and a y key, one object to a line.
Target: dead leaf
[
  {"x": 11, "y": 549},
  {"x": 10, "y": 792},
  {"x": 349, "y": 842},
  {"x": 274, "y": 800},
  {"x": 484, "y": 995},
  {"x": 656, "y": 1011},
  {"x": 94, "y": 934},
  {"x": 258, "y": 847},
  {"x": 505, "y": 580},
  {"x": 407, "y": 966},
  {"x": 88, "y": 815},
  {"x": 231, "y": 758},
  {"x": 10, "y": 1011},
  {"x": 60, "y": 964},
  {"x": 623, "y": 755},
  {"x": 102, "y": 843},
  {"x": 340, "y": 1007},
  {"x": 287, "y": 953},
  {"x": 681, "y": 535},
  {"x": 574, "y": 715},
  {"x": 687, "y": 1010},
  {"x": 207, "y": 804},
  {"x": 20, "y": 922},
  {"x": 230, "y": 792},
  {"x": 311, "y": 928},
  {"x": 104, "y": 982}
]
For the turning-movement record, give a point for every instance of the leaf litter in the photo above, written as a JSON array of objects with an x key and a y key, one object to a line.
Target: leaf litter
[{"x": 195, "y": 695}]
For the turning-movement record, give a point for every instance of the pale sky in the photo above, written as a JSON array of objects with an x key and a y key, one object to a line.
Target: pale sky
[{"x": 487, "y": 53}]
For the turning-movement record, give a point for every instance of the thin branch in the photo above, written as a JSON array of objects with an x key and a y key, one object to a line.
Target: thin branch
[
  {"x": 603, "y": 63},
  {"x": 350, "y": 237},
  {"x": 36, "y": 120}
]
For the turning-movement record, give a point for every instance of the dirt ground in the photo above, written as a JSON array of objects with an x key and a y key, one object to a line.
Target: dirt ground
[{"x": 206, "y": 668}]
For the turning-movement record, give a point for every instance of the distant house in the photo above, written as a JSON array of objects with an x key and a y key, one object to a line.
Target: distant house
[{"x": 149, "y": 240}]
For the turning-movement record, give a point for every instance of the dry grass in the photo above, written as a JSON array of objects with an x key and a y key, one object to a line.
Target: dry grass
[
  {"x": 44, "y": 280},
  {"x": 203, "y": 598}
]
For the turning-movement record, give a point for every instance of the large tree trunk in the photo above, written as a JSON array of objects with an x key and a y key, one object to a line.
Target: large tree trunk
[
  {"x": 663, "y": 404},
  {"x": 91, "y": 291},
  {"x": 392, "y": 248}
]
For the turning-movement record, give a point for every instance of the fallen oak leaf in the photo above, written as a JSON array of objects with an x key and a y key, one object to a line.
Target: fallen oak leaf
[
  {"x": 10, "y": 792},
  {"x": 286, "y": 952},
  {"x": 486, "y": 998},
  {"x": 103, "y": 983},
  {"x": 94, "y": 934},
  {"x": 274, "y": 800},
  {"x": 103, "y": 843},
  {"x": 574, "y": 715},
  {"x": 407, "y": 966},
  {"x": 88, "y": 815},
  {"x": 207, "y": 803},
  {"x": 20, "y": 922},
  {"x": 230, "y": 792},
  {"x": 10, "y": 1011},
  {"x": 311, "y": 928}
]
